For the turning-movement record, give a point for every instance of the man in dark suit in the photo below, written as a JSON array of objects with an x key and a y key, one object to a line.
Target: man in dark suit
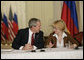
[{"x": 30, "y": 38}]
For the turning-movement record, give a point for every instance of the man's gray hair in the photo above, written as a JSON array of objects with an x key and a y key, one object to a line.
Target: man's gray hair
[{"x": 32, "y": 22}]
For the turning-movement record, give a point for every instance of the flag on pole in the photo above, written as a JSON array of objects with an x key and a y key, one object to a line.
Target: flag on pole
[
  {"x": 5, "y": 27},
  {"x": 10, "y": 25},
  {"x": 69, "y": 15},
  {"x": 15, "y": 24},
  {"x": 3, "y": 39}
]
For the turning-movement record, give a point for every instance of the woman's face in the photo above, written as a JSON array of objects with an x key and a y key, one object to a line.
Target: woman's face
[{"x": 57, "y": 30}]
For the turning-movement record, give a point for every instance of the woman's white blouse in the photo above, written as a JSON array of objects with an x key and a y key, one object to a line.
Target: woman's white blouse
[{"x": 62, "y": 41}]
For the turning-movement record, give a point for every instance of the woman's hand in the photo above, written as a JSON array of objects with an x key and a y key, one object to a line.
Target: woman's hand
[
  {"x": 73, "y": 46},
  {"x": 50, "y": 45}
]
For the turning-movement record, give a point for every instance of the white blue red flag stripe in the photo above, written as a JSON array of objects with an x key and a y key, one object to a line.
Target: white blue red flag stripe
[{"x": 69, "y": 15}]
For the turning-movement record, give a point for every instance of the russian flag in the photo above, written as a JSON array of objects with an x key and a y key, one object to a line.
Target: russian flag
[
  {"x": 15, "y": 24},
  {"x": 3, "y": 36},
  {"x": 5, "y": 27},
  {"x": 69, "y": 15}
]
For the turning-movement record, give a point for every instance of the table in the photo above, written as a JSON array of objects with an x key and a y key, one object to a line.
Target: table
[{"x": 50, "y": 53}]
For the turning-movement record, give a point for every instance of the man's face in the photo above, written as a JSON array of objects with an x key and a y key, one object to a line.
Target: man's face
[{"x": 37, "y": 28}]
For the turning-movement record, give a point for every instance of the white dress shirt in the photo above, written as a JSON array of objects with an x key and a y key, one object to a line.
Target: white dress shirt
[
  {"x": 29, "y": 40},
  {"x": 30, "y": 35},
  {"x": 62, "y": 41}
]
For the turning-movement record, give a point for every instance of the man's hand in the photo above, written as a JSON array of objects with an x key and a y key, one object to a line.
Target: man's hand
[{"x": 27, "y": 47}]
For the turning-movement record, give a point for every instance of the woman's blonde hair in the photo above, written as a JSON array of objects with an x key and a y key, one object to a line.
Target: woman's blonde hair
[{"x": 59, "y": 24}]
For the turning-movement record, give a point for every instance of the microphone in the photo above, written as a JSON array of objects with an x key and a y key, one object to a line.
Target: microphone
[{"x": 76, "y": 48}]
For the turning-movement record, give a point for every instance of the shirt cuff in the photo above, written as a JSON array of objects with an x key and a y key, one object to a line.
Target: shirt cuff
[
  {"x": 21, "y": 47},
  {"x": 34, "y": 47}
]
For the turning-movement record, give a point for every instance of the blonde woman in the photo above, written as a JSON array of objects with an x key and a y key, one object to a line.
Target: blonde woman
[{"x": 60, "y": 38}]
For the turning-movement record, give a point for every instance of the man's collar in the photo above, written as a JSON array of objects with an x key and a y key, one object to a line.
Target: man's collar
[{"x": 30, "y": 31}]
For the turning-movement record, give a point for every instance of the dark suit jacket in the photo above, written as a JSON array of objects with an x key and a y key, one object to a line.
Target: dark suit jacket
[
  {"x": 53, "y": 39},
  {"x": 22, "y": 39}
]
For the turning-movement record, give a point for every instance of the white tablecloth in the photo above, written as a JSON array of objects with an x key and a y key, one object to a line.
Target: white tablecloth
[{"x": 50, "y": 53}]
